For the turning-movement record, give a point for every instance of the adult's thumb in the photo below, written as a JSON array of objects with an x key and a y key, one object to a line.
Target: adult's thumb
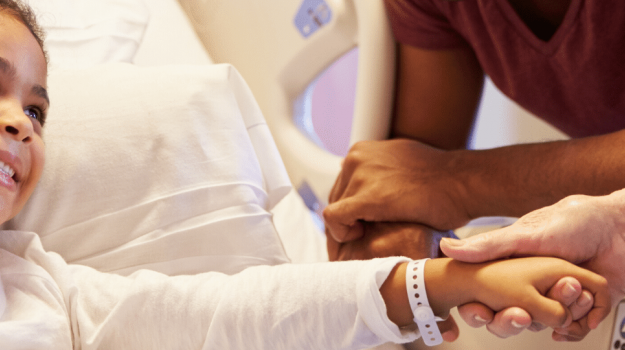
[
  {"x": 486, "y": 246},
  {"x": 342, "y": 221}
]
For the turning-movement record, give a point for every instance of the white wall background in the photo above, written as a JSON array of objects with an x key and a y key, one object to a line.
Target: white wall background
[{"x": 501, "y": 122}]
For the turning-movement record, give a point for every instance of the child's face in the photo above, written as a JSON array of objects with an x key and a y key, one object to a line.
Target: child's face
[{"x": 23, "y": 99}]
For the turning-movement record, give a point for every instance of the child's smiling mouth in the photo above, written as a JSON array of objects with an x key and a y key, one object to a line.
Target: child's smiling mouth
[{"x": 6, "y": 169}]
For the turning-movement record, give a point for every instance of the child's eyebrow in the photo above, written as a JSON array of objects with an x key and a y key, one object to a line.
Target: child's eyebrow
[
  {"x": 8, "y": 68},
  {"x": 41, "y": 92}
]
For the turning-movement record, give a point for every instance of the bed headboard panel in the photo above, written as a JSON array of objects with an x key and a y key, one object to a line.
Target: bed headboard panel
[{"x": 281, "y": 46}]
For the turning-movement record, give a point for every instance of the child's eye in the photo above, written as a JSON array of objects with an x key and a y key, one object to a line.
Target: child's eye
[{"x": 35, "y": 113}]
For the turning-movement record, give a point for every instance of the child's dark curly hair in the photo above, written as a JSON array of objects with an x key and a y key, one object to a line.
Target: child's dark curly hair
[{"x": 24, "y": 14}]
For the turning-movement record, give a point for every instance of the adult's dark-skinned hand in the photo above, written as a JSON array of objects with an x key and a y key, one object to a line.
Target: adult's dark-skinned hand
[
  {"x": 383, "y": 239},
  {"x": 395, "y": 181}
]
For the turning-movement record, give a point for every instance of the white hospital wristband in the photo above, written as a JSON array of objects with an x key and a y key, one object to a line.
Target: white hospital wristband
[{"x": 423, "y": 315}]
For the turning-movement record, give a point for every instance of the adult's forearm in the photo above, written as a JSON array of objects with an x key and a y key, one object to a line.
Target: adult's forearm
[
  {"x": 514, "y": 180},
  {"x": 430, "y": 104}
]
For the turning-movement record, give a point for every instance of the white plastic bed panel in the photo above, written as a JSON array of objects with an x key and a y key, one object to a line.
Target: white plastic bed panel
[
  {"x": 169, "y": 37},
  {"x": 279, "y": 54}
]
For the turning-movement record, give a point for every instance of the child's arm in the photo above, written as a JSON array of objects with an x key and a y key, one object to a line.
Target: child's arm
[{"x": 501, "y": 284}]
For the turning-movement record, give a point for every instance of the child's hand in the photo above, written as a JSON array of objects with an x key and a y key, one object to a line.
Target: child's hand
[
  {"x": 578, "y": 307},
  {"x": 525, "y": 282},
  {"x": 520, "y": 282}
]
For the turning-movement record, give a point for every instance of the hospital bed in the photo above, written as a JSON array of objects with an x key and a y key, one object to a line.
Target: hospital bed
[{"x": 136, "y": 155}]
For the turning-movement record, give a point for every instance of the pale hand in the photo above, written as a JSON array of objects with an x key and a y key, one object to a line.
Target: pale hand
[{"x": 587, "y": 231}]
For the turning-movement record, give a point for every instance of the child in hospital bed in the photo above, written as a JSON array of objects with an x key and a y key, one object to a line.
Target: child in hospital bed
[{"x": 48, "y": 304}]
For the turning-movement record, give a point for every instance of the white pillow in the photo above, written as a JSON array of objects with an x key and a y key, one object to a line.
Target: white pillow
[
  {"x": 83, "y": 33},
  {"x": 171, "y": 168}
]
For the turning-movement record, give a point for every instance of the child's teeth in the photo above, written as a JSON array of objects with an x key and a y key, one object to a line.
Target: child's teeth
[{"x": 7, "y": 169}]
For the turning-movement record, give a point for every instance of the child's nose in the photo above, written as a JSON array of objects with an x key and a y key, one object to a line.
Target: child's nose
[{"x": 15, "y": 124}]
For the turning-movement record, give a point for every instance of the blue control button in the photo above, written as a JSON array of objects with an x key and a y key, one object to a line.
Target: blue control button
[
  {"x": 312, "y": 15},
  {"x": 623, "y": 328}
]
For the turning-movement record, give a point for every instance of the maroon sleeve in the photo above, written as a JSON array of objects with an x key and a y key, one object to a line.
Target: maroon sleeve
[{"x": 423, "y": 23}]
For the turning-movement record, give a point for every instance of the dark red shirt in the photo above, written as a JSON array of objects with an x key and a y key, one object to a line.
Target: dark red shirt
[{"x": 574, "y": 81}]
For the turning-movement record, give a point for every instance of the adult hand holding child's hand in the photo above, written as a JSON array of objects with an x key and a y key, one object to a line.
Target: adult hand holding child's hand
[{"x": 587, "y": 231}]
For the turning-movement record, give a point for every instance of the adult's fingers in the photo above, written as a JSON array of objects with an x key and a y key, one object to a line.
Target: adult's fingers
[
  {"x": 342, "y": 219},
  {"x": 579, "y": 328},
  {"x": 582, "y": 305},
  {"x": 332, "y": 246},
  {"x": 506, "y": 323},
  {"x": 550, "y": 313},
  {"x": 476, "y": 314},
  {"x": 566, "y": 291},
  {"x": 576, "y": 331},
  {"x": 509, "y": 322},
  {"x": 601, "y": 307},
  {"x": 536, "y": 327},
  {"x": 449, "y": 329},
  {"x": 340, "y": 215},
  {"x": 341, "y": 182},
  {"x": 383, "y": 239}
]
